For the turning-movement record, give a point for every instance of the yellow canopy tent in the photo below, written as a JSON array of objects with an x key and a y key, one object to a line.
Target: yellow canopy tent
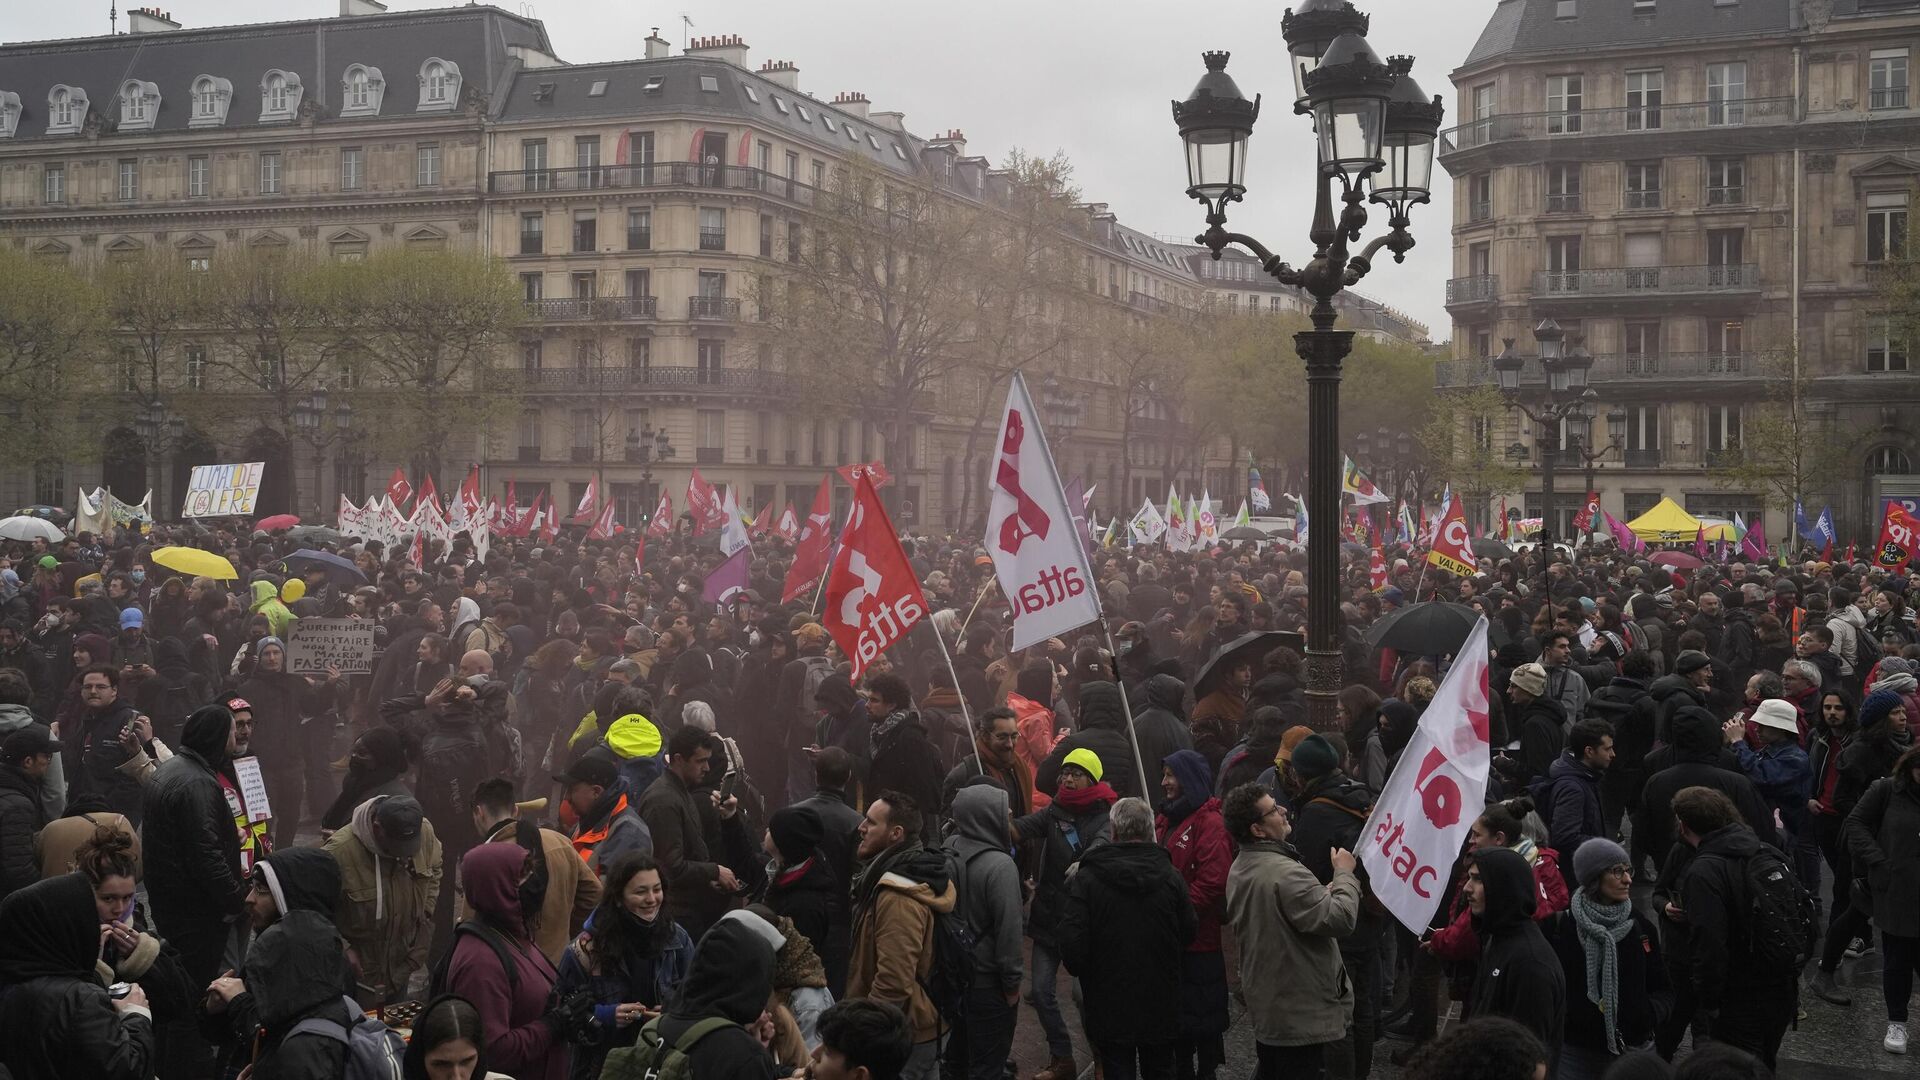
[{"x": 1666, "y": 523}]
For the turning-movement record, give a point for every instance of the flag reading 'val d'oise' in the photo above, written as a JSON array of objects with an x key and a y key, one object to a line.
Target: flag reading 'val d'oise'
[
  {"x": 1410, "y": 842},
  {"x": 1041, "y": 564}
]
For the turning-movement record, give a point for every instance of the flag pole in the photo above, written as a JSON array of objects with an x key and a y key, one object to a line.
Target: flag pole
[
  {"x": 1126, "y": 705},
  {"x": 992, "y": 580},
  {"x": 814, "y": 608},
  {"x": 965, "y": 713}
]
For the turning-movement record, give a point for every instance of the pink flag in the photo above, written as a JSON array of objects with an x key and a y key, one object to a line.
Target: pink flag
[
  {"x": 1622, "y": 535},
  {"x": 1754, "y": 544},
  {"x": 1700, "y": 541}
]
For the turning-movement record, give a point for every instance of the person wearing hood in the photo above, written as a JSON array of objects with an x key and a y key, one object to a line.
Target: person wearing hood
[
  {"x": 376, "y": 765},
  {"x": 1699, "y": 756},
  {"x": 92, "y": 745},
  {"x": 1195, "y": 836},
  {"x": 989, "y": 883},
  {"x": 194, "y": 877},
  {"x": 1124, "y": 929},
  {"x": 562, "y": 893},
  {"x": 1102, "y": 729},
  {"x": 1610, "y": 961},
  {"x": 900, "y": 887},
  {"x": 1385, "y": 742},
  {"x": 1883, "y": 835},
  {"x": 631, "y": 959},
  {"x": 1539, "y": 721},
  {"x": 292, "y": 977},
  {"x": 800, "y": 994},
  {"x": 1898, "y": 675},
  {"x": 700, "y": 887},
  {"x": 1519, "y": 976},
  {"x": 1737, "y": 997},
  {"x": 635, "y": 744},
  {"x": 266, "y": 601},
  {"x": 1286, "y": 925},
  {"x": 16, "y": 697},
  {"x": 903, "y": 757},
  {"x": 1031, "y": 702},
  {"x": 1569, "y": 795},
  {"x": 390, "y": 879},
  {"x": 60, "y": 1021},
  {"x": 1069, "y": 827},
  {"x": 524, "y": 1034},
  {"x": 1160, "y": 728},
  {"x": 731, "y": 980}
]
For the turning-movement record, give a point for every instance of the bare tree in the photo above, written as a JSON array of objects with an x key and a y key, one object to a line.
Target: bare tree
[{"x": 51, "y": 324}]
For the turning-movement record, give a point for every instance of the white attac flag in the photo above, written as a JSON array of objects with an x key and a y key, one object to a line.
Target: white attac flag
[
  {"x": 1420, "y": 821},
  {"x": 1041, "y": 564},
  {"x": 733, "y": 534}
]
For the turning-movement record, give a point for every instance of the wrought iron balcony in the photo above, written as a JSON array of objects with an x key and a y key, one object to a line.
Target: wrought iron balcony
[
  {"x": 714, "y": 308},
  {"x": 591, "y": 308},
  {"x": 1633, "y": 122},
  {"x": 655, "y": 175},
  {"x": 1480, "y": 289},
  {"x": 1645, "y": 280},
  {"x": 1610, "y": 367},
  {"x": 679, "y": 379}
]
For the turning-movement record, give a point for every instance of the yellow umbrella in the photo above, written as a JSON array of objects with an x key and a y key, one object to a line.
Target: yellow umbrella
[{"x": 195, "y": 563}]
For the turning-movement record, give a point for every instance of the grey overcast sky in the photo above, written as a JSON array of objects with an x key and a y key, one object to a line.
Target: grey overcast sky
[{"x": 1092, "y": 78}]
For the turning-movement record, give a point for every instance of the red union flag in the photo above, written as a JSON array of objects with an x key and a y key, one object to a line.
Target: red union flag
[
  {"x": 1411, "y": 840},
  {"x": 1583, "y": 521},
  {"x": 873, "y": 599},
  {"x": 1041, "y": 564},
  {"x": 810, "y": 551},
  {"x": 398, "y": 490},
  {"x": 662, "y": 523},
  {"x": 1897, "y": 543},
  {"x": 1452, "y": 548},
  {"x": 789, "y": 527},
  {"x": 703, "y": 502},
  {"x": 852, "y": 474},
  {"x": 1377, "y": 568}
]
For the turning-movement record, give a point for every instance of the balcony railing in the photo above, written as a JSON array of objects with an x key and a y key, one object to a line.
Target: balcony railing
[
  {"x": 1566, "y": 203},
  {"x": 709, "y": 455},
  {"x": 687, "y": 379},
  {"x": 1479, "y": 289},
  {"x": 1147, "y": 302},
  {"x": 1586, "y": 123},
  {"x": 713, "y": 308},
  {"x": 1480, "y": 211},
  {"x": 592, "y": 308},
  {"x": 1609, "y": 367},
  {"x": 1641, "y": 459},
  {"x": 712, "y": 239},
  {"x": 666, "y": 174},
  {"x": 1639, "y": 280}
]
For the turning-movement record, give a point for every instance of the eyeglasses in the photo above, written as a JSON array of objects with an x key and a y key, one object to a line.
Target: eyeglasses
[
  {"x": 1621, "y": 871},
  {"x": 1277, "y": 809}
]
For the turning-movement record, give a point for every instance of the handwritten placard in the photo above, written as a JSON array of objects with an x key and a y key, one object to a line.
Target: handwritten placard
[
  {"x": 253, "y": 788},
  {"x": 317, "y": 644}
]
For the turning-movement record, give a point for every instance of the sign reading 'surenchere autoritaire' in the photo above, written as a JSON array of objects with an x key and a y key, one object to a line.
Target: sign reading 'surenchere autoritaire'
[
  {"x": 223, "y": 490},
  {"x": 314, "y": 645}
]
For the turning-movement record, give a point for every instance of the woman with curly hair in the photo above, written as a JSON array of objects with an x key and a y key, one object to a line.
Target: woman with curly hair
[{"x": 631, "y": 957}]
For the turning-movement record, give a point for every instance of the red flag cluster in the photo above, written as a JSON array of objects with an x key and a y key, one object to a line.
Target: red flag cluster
[{"x": 873, "y": 597}]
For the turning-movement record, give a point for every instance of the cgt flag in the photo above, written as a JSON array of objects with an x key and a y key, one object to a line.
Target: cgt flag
[
  {"x": 1899, "y": 534},
  {"x": 810, "y": 551},
  {"x": 1452, "y": 549},
  {"x": 873, "y": 598},
  {"x": 662, "y": 523},
  {"x": 1413, "y": 837},
  {"x": 1583, "y": 521},
  {"x": 1041, "y": 564}
]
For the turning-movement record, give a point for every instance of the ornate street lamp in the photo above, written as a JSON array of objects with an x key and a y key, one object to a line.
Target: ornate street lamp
[
  {"x": 1374, "y": 127},
  {"x": 1566, "y": 397}
]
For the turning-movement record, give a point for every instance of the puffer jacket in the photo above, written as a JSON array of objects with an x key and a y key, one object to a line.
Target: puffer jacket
[
  {"x": 1161, "y": 729},
  {"x": 1287, "y": 926},
  {"x": 21, "y": 816},
  {"x": 1102, "y": 722}
]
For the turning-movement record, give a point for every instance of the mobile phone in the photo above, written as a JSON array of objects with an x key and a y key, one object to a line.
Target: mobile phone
[
  {"x": 727, "y": 783},
  {"x": 119, "y": 990}
]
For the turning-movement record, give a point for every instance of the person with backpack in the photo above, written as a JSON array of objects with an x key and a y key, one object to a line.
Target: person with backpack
[
  {"x": 1124, "y": 929},
  {"x": 307, "y": 1030},
  {"x": 496, "y": 965},
  {"x": 1190, "y": 827},
  {"x": 900, "y": 891},
  {"x": 713, "y": 1030},
  {"x": 794, "y": 704},
  {"x": 1074, "y": 823},
  {"x": 989, "y": 907},
  {"x": 1626, "y": 704},
  {"x": 1747, "y": 921},
  {"x": 1883, "y": 836}
]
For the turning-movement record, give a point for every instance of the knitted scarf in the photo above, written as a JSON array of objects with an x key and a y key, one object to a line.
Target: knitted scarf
[{"x": 1602, "y": 928}]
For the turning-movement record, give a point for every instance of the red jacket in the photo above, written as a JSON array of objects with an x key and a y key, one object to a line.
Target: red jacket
[
  {"x": 1201, "y": 852},
  {"x": 1036, "y": 740},
  {"x": 1457, "y": 942}
]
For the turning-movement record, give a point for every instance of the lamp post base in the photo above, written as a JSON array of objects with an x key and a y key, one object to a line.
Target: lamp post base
[{"x": 1324, "y": 677}]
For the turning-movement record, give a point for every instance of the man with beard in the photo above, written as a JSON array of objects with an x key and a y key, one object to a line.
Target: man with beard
[
  {"x": 904, "y": 759},
  {"x": 900, "y": 888},
  {"x": 194, "y": 876},
  {"x": 996, "y": 739}
]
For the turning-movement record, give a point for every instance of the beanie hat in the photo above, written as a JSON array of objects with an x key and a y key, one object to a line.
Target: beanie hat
[
  {"x": 131, "y": 618},
  {"x": 1874, "y": 710},
  {"x": 1532, "y": 678},
  {"x": 796, "y": 833},
  {"x": 1592, "y": 859},
  {"x": 1086, "y": 760},
  {"x": 1690, "y": 661},
  {"x": 1314, "y": 758}
]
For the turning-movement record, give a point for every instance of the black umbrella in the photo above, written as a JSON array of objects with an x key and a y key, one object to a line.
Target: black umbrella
[
  {"x": 1435, "y": 628},
  {"x": 340, "y": 570},
  {"x": 1245, "y": 647},
  {"x": 1488, "y": 547},
  {"x": 1245, "y": 532}
]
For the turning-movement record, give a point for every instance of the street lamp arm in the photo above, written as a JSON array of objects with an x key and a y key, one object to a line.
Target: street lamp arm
[{"x": 1217, "y": 239}]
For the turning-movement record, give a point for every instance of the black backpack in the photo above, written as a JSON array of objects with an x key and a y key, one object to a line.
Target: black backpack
[
  {"x": 1781, "y": 921},
  {"x": 951, "y": 974},
  {"x": 437, "y": 980}
]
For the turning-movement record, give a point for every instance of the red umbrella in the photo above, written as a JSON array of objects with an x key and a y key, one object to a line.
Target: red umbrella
[
  {"x": 1679, "y": 560},
  {"x": 277, "y": 522}
]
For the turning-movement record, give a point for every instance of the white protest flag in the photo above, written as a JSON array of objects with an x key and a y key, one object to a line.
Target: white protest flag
[
  {"x": 733, "y": 533},
  {"x": 1420, "y": 821},
  {"x": 482, "y": 535},
  {"x": 1147, "y": 525},
  {"x": 1041, "y": 564}
]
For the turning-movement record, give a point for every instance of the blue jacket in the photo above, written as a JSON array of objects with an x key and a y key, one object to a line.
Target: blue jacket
[
  {"x": 1569, "y": 798},
  {"x": 650, "y": 981},
  {"x": 1784, "y": 775}
]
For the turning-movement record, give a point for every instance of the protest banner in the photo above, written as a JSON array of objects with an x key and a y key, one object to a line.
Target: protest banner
[
  {"x": 313, "y": 645},
  {"x": 223, "y": 490},
  {"x": 253, "y": 788}
]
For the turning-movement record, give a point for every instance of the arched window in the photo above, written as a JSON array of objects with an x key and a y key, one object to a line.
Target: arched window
[
  {"x": 211, "y": 95},
  {"x": 1889, "y": 460},
  {"x": 357, "y": 89},
  {"x": 139, "y": 103},
  {"x": 66, "y": 109},
  {"x": 280, "y": 95},
  {"x": 436, "y": 83},
  {"x": 62, "y": 107},
  {"x": 276, "y": 93},
  {"x": 361, "y": 90},
  {"x": 204, "y": 103},
  {"x": 439, "y": 85}
]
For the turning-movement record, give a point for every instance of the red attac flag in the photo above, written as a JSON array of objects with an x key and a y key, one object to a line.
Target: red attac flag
[
  {"x": 1899, "y": 537},
  {"x": 662, "y": 523},
  {"x": 789, "y": 526},
  {"x": 590, "y": 502},
  {"x": 427, "y": 494},
  {"x": 398, "y": 490},
  {"x": 1583, "y": 521},
  {"x": 703, "y": 502},
  {"x": 509, "y": 510},
  {"x": 852, "y": 474},
  {"x": 873, "y": 599},
  {"x": 418, "y": 554},
  {"x": 810, "y": 551},
  {"x": 603, "y": 526},
  {"x": 763, "y": 521},
  {"x": 470, "y": 494}
]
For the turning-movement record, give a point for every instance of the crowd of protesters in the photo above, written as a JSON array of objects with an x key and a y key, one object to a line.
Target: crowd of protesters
[{"x": 575, "y": 820}]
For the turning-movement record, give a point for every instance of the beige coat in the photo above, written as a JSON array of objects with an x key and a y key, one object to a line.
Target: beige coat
[
  {"x": 386, "y": 908},
  {"x": 893, "y": 949},
  {"x": 572, "y": 890},
  {"x": 1288, "y": 928},
  {"x": 58, "y": 844}
]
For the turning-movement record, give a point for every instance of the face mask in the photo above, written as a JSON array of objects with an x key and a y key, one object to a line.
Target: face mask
[
  {"x": 685, "y": 588},
  {"x": 138, "y": 576},
  {"x": 753, "y": 639}
]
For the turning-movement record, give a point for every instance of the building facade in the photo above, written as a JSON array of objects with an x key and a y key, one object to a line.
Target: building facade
[{"x": 1702, "y": 195}]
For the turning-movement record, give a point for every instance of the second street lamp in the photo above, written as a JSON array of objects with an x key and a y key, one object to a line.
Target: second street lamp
[
  {"x": 1365, "y": 111},
  {"x": 1567, "y": 397}
]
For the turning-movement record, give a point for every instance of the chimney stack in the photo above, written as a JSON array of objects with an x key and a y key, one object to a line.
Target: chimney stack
[
  {"x": 350, "y": 8},
  {"x": 656, "y": 45},
  {"x": 150, "y": 21},
  {"x": 954, "y": 139},
  {"x": 852, "y": 102},
  {"x": 782, "y": 72},
  {"x": 892, "y": 121},
  {"x": 726, "y": 48}
]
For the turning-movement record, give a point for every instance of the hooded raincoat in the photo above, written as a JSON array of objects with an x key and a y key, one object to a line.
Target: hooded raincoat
[{"x": 511, "y": 1004}]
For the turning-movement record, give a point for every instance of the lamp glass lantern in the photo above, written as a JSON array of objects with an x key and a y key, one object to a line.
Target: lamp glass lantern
[
  {"x": 1309, "y": 30},
  {"x": 1616, "y": 424},
  {"x": 1215, "y": 122},
  {"x": 1578, "y": 363},
  {"x": 1507, "y": 366},
  {"x": 1348, "y": 95},
  {"x": 1413, "y": 125}
]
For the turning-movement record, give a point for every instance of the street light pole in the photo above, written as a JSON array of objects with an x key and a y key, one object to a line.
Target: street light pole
[
  {"x": 1616, "y": 432},
  {"x": 1567, "y": 396},
  {"x": 1375, "y": 128}
]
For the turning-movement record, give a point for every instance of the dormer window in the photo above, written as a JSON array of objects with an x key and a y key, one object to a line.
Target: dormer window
[
  {"x": 439, "y": 85},
  {"x": 9, "y": 113},
  {"x": 66, "y": 109},
  {"x": 361, "y": 91},
  {"x": 139, "y": 104},
  {"x": 211, "y": 95},
  {"x": 280, "y": 94}
]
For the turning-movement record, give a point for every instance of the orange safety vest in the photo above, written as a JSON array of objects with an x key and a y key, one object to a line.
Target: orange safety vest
[{"x": 585, "y": 842}]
